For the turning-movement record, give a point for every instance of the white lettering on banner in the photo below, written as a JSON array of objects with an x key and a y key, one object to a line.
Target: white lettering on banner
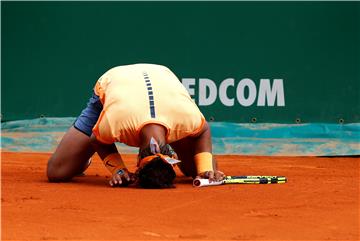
[
  {"x": 187, "y": 83},
  {"x": 270, "y": 94},
  {"x": 204, "y": 98},
  {"x": 246, "y": 91},
  {"x": 223, "y": 92},
  {"x": 240, "y": 92}
]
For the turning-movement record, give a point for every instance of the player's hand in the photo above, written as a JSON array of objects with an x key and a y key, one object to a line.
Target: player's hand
[
  {"x": 212, "y": 176},
  {"x": 122, "y": 178}
]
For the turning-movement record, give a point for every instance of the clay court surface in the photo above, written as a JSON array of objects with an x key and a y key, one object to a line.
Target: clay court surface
[{"x": 319, "y": 202}]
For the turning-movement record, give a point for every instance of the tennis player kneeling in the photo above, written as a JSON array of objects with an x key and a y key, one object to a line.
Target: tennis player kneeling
[{"x": 145, "y": 106}]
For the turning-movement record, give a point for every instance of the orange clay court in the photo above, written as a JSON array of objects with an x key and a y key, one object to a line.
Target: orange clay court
[{"x": 320, "y": 201}]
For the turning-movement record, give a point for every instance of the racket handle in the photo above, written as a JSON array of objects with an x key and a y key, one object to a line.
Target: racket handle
[{"x": 199, "y": 182}]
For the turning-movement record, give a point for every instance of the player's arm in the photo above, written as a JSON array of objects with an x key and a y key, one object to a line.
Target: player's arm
[
  {"x": 206, "y": 166},
  {"x": 112, "y": 161}
]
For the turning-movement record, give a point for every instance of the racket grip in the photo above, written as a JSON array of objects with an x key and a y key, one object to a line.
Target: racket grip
[{"x": 200, "y": 182}]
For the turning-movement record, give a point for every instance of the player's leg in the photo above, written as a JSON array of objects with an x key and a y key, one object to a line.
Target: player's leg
[
  {"x": 185, "y": 151},
  {"x": 188, "y": 147},
  {"x": 72, "y": 155}
]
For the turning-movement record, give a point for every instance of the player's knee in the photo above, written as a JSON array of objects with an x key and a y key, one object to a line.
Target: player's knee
[
  {"x": 56, "y": 176},
  {"x": 55, "y": 173}
]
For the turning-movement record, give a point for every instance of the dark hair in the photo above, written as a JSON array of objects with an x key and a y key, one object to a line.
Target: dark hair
[{"x": 156, "y": 173}]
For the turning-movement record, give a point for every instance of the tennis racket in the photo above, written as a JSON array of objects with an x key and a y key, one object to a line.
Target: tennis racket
[{"x": 200, "y": 182}]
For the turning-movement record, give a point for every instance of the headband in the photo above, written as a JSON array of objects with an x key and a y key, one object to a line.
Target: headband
[{"x": 164, "y": 158}]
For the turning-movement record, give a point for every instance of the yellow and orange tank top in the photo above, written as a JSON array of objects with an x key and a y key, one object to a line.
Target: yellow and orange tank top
[{"x": 136, "y": 95}]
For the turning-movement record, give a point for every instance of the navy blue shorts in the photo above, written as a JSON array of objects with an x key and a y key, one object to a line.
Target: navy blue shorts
[{"x": 89, "y": 116}]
